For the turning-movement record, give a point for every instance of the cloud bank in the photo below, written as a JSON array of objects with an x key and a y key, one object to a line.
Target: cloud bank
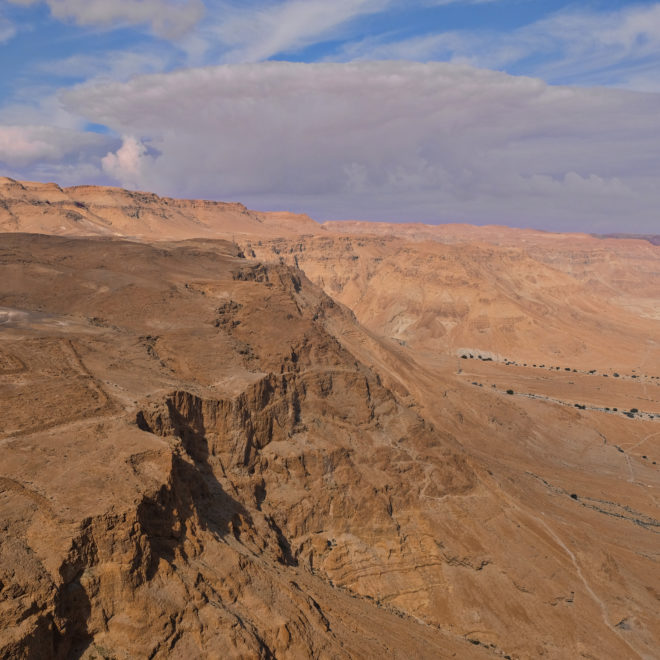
[
  {"x": 28, "y": 145},
  {"x": 435, "y": 142}
]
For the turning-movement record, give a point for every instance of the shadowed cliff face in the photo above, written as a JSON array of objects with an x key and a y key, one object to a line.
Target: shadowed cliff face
[{"x": 209, "y": 455}]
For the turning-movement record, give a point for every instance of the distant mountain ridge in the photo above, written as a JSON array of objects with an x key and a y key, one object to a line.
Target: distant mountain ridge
[{"x": 654, "y": 239}]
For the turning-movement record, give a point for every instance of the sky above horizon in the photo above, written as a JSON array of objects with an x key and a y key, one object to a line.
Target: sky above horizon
[{"x": 533, "y": 113}]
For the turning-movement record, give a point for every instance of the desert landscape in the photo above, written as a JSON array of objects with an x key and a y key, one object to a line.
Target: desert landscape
[{"x": 229, "y": 433}]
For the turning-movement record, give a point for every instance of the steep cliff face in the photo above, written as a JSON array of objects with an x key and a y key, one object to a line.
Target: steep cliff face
[
  {"x": 296, "y": 446},
  {"x": 186, "y": 572}
]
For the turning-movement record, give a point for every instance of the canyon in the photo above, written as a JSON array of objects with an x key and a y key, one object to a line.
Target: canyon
[{"x": 231, "y": 433}]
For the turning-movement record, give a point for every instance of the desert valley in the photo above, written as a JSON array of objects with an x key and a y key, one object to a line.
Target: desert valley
[{"x": 228, "y": 433}]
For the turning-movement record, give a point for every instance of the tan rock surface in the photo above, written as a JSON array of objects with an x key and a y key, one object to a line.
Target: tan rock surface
[
  {"x": 206, "y": 455},
  {"x": 26, "y": 206}
]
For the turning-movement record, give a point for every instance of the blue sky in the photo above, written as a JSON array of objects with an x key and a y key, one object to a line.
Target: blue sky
[{"x": 526, "y": 112}]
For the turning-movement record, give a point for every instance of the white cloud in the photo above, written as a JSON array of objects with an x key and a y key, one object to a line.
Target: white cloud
[
  {"x": 253, "y": 33},
  {"x": 619, "y": 47},
  {"x": 128, "y": 163},
  {"x": 256, "y": 31},
  {"x": 388, "y": 140},
  {"x": 168, "y": 18},
  {"x": 47, "y": 153},
  {"x": 39, "y": 105},
  {"x": 113, "y": 65},
  {"x": 22, "y": 145},
  {"x": 600, "y": 47},
  {"x": 7, "y": 29}
]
